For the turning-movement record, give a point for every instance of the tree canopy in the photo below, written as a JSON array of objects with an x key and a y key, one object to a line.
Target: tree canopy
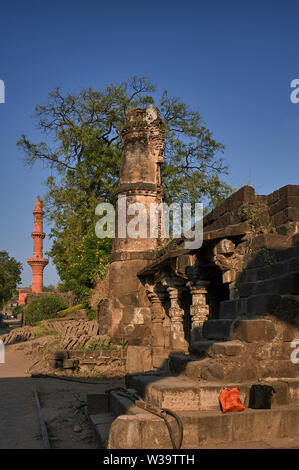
[
  {"x": 10, "y": 276},
  {"x": 82, "y": 147}
]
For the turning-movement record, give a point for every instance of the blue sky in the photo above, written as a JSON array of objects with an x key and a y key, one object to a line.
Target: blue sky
[{"x": 232, "y": 61}]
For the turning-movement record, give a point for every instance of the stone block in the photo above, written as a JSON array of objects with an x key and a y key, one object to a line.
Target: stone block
[
  {"x": 126, "y": 433},
  {"x": 139, "y": 359},
  {"x": 97, "y": 403},
  {"x": 60, "y": 355},
  {"x": 262, "y": 304},
  {"x": 289, "y": 284},
  {"x": 283, "y": 203},
  {"x": 160, "y": 361},
  {"x": 215, "y": 427},
  {"x": 227, "y": 348},
  {"x": 68, "y": 363},
  {"x": 217, "y": 329},
  {"x": 254, "y": 331}
]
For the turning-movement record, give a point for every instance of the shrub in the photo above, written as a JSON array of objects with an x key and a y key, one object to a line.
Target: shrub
[
  {"x": 41, "y": 330},
  {"x": 63, "y": 313},
  {"x": 43, "y": 308},
  {"x": 96, "y": 345},
  {"x": 91, "y": 314}
]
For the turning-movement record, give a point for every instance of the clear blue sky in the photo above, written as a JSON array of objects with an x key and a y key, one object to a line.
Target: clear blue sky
[{"x": 233, "y": 61}]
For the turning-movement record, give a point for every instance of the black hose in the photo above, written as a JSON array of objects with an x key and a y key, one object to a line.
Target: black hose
[
  {"x": 180, "y": 424},
  {"x": 162, "y": 414}
]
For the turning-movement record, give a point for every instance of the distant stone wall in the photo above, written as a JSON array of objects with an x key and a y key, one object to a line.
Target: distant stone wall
[
  {"x": 228, "y": 212},
  {"x": 284, "y": 209},
  {"x": 281, "y": 211}
]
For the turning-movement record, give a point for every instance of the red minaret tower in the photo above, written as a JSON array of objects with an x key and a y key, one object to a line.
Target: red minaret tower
[{"x": 37, "y": 263}]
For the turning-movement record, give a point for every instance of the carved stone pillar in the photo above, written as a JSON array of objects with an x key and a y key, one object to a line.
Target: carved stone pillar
[
  {"x": 166, "y": 330},
  {"x": 156, "y": 297},
  {"x": 177, "y": 340},
  {"x": 199, "y": 310}
]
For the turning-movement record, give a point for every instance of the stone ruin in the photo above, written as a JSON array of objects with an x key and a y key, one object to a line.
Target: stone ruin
[{"x": 201, "y": 320}]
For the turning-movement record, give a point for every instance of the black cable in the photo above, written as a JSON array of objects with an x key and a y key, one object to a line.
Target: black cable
[{"x": 180, "y": 424}]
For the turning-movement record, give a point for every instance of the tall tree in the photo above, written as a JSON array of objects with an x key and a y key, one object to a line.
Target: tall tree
[
  {"x": 10, "y": 276},
  {"x": 82, "y": 147}
]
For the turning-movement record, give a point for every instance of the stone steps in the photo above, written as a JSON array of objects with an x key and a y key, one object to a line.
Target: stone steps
[
  {"x": 272, "y": 271},
  {"x": 258, "y": 305},
  {"x": 147, "y": 431},
  {"x": 183, "y": 394},
  {"x": 119, "y": 424},
  {"x": 257, "y": 260},
  {"x": 236, "y": 371},
  {"x": 242, "y": 330},
  {"x": 254, "y": 305},
  {"x": 100, "y": 424},
  {"x": 216, "y": 348},
  {"x": 286, "y": 284}
]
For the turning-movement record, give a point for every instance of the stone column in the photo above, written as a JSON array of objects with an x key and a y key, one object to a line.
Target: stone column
[
  {"x": 199, "y": 310},
  {"x": 158, "y": 314},
  {"x": 128, "y": 307},
  {"x": 166, "y": 331},
  {"x": 177, "y": 340}
]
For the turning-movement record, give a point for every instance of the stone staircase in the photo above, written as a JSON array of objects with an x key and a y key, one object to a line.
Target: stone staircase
[
  {"x": 122, "y": 425},
  {"x": 250, "y": 342}
]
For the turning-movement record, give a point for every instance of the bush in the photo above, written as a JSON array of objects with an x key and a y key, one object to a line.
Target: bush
[
  {"x": 63, "y": 313},
  {"x": 43, "y": 308},
  {"x": 91, "y": 314},
  {"x": 41, "y": 330}
]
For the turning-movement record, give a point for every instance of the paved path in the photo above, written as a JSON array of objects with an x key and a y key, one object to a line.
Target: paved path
[{"x": 19, "y": 425}]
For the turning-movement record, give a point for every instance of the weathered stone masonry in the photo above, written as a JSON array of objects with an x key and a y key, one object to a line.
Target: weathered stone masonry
[
  {"x": 128, "y": 310},
  {"x": 163, "y": 298},
  {"x": 201, "y": 320}
]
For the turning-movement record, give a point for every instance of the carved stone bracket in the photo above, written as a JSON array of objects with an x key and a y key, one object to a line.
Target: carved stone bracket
[
  {"x": 229, "y": 258},
  {"x": 156, "y": 295}
]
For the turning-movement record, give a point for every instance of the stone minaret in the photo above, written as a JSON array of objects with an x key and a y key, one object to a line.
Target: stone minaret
[
  {"x": 37, "y": 263},
  {"x": 129, "y": 314}
]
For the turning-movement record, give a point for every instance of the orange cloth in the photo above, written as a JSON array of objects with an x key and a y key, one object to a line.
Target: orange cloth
[{"x": 230, "y": 400}]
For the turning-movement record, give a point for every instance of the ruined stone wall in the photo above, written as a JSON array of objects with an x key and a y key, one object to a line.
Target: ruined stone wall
[
  {"x": 284, "y": 209},
  {"x": 228, "y": 212},
  {"x": 244, "y": 211}
]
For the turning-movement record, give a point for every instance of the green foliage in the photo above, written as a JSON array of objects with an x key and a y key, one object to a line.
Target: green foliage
[
  {"x": 91, "y": 314},
  {"x": 96, "y": 345},
  {"x": 10, "y": 276},
  {"x": 65, "y": 312},
  {"x": 82, "y": 146},
  {"x": 268, "y": 257},
  {"x": 41, "y": 330},
  {"x": 49, "y": 288},
  {"x": 17, "y": 310},
  {"x": 258, "y": 217},
  {"x": 79, "y": 265},
  {"x": 43, "y": 308},
  {"x": 124, "y": 343}
]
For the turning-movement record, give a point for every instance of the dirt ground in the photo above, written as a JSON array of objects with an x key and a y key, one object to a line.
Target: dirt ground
[{"x": 63, "y": 402}]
